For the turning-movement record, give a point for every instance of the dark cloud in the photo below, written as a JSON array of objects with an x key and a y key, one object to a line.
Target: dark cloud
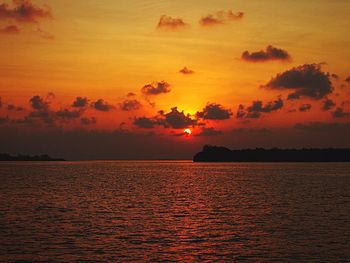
[
  {"x": 305, "y": 107},
  {"x": 156, "y": 88},
  {"x": 38, "y": 103},
  {"x": 144, "y": 122},
  {"x": 186, "y": 71},
  {"x": 88, "y": 121},
  {"x": 24, "y": 11},
  {"x": 340, "y": 113},
  {"x": 257, "y": 108},
  {"x": 129, "y": 105},
  {"x": 306, "y": 81},
  {"x": 0, "y": 102},
  {"x": 131, "y": 94},
  {"x": 80, "y": 102},
  {"x": 325, "y": 127},
  {"x": 209, "y": 132},
  {"x": 335, "y": 76},
  {"x": 175, "y": 119},
  {"x": 220, "y": 17},
  {"x": 66, "y": 114},
  {"x": 10, "y": 30},
  {"x": 214, "y": 111},
  {"x": 270, "y": 53},
  {"x": 46, "y": 116},
  {"x": 251, "y": 131},
  {"x": 170, "y": 23},
  {"x": 11, "y": 107},
  {"x": 101, "y": 105},
  {"x": 347, "y": 79},
  {"x": 328, "y": 104}
]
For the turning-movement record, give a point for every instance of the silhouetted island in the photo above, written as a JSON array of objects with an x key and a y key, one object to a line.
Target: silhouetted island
[
  {"x": 20, "y": 157},
  {"x": 223, "y": 154}
]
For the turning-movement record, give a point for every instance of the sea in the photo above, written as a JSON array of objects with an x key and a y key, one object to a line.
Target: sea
[{"x": 174, "y": 211}]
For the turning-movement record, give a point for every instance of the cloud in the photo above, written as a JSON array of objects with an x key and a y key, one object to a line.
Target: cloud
[
  {"x": 24, "y": 11},
  {"x": 101, "y": 105},
  {"x": 251, "y": 131},
  {"x": 306, "y": 81},
  {"x": 209, "y": 132},
  {"x": 131, "y": 94},
  {"x": 214, "y": 111},
  {"x": 257, "y": 108},
  {"x": 328, "y": 104},
  {"x": 170, "y": 23},
  {"x": 340, "y": 113},
  {"x": 335, "y": 76},
  {"x": 144, "y": 122},
  {"x": 347, "y": 79},
  {"x": 10, "y": 30},
  {"x": 44, "y": 115},
  {"x": 38, "y": 103},
  {"x": 80, "y": 102},
  {"x": 305, "y": 107},
  {"x": 0, "y": 102},
  {"x": 176, "y": 119},
  {"x": 220, "y": 17},
  {"x": 11, "y": 107},
  {"x": 270, "y": 53},
  {"x": 129, "y": 105},
  {"x": 186, "y": 71},
  {"x": 323, "y": 127},
  {"x": 68, "y": 115},
  {"x": 88, "y": 121},
  {"x": 156, "y": 88}
]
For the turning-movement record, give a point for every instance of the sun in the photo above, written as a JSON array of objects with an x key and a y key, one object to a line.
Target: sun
[{"x": 187, "y": 132}]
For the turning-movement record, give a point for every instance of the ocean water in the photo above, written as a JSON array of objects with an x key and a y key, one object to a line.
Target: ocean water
[{"x": 134, "y": 211}]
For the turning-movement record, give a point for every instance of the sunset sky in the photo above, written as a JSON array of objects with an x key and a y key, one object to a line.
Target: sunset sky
[{"x": 123, "y": 79}]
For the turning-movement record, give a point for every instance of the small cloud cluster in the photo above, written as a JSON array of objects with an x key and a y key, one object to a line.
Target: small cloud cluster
[
  {"x": 270, "y": 53},
  {"x": 186, "y": 71},
  {"x": 174, "y": 119},
  {"x": 156, "y": 88},
  {"x": 23, "y": 11},
  {"x": 101, "y": 105},
  {"x": 328, "y": 104},
  {"x": 210, "y": 131},
  {"x": 88, "y": 121},
  {"x": 144, "y": 122},
  {"x": 220, "y": 17},
  {"x": 170, "y": 23},
  {"x": 214, "y": 111},
  {"x": 129, "y": 105},
  {"x": 305, "y": 107},
  {"x": 257, "y": 108},
  {"x": 38, "y": 103},
  {"x": 306, "y": 81},
  {"x": 66, "y": 114},
  {"x": 10, "y": 30},
  {"x": 80, "y": 102},
  {"x": 340, "y": 113},
  {"x": 347, "y": 79},
  {"x": 11, "y": 107}
]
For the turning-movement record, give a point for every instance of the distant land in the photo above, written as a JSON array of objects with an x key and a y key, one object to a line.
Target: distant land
[
  {"x": 20, "y": 157},
  {"x": 223, "y": 154}
]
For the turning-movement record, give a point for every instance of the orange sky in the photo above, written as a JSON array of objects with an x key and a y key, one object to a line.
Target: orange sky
[{"x": 107, "y": 49}]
